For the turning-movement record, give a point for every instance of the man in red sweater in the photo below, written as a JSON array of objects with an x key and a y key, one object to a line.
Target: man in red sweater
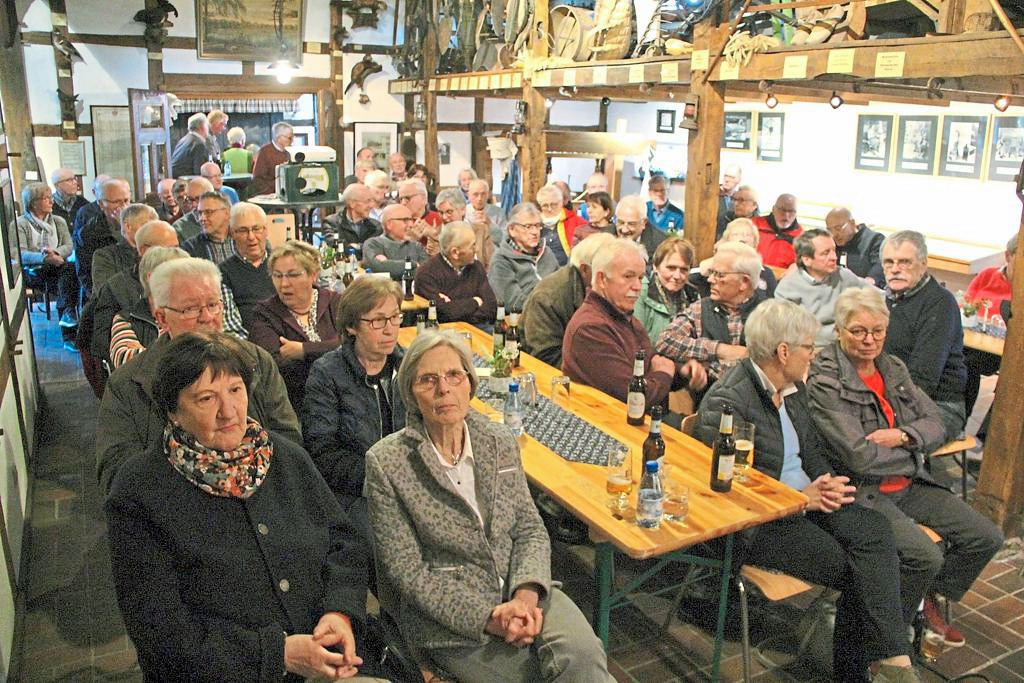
[
  {"x": 776, "y": 233},
  {"x": 456, "y": 280},
  {"x": 270, "y": 156},
  {"x": 995, "y": 284}
]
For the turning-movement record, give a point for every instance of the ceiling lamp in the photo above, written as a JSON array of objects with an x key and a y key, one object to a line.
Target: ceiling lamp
[
  {"x": 771, "y": 101},
  {"x": 283, "y": 70},
  {"x": 1002, "y": 102},
  {"x": 835, "y": 101}
]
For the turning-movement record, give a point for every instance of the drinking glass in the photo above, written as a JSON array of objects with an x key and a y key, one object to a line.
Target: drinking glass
[
  {"x": 677, "y": 496},
  {"x": 560, "y": 391},
  {"x": 528, "y": 388},
  {"x": 743, "y": 435},
  {"x": 619, "y": 482}
]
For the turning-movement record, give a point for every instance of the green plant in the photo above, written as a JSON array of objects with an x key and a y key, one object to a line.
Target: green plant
[{"x": 500, "y": 365}]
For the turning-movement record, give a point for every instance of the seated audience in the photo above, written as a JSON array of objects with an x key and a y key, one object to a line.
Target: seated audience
[
  {"x": 236, "y": 154},
  {"x": 603, "y": 337},
  {"x": 456, "y": 280},
  {"x": 880, "y": 426},
  {"x": 710, "y": 330},
  {"x": 666, "y": 290},
  {"x": 559, "y": 223},
  {"x": 743, "y": 205},
  {"x": 102, "y": 230},
  {"x": 858, "y": 247},
  {"x": 45, "y": 245},
  {"x": 599, "y": 208},
  {"x": 206, "y": 522},
  {"x": 298, "y": 325},
  {"x": 245, "y": 272},
  {"x": 739, "y": 230},
  {"x": 553, "y": 301},
  {"x": 270, "y": 156},
  {"x": 380, "y": 184},
  {"x": 93, "y": 208},
  {"x": 732, "y": 174},
  {"x": 168, "y": 210},
  {"x": 661, "y": 213},
  {"x": 67, "y": 197},
  {"x": 491, "y": 529},
  {"x": 363, "y": 157},
  {"x": 413, "y": 194},
  {"x": 397, "y": 164},
  {"x": 451, "y": 206},
  {"x": 522, "y": 259},
  {"x": 631, "y": 223},
  {"x": 211, "y": 171},
  {"x": 388, "y": 253},
  {"x": 836, "y": 542},
  {"x": 466, "y": 176},
  {"x": 597, "y": 182},
  {"x": 776, "y": 233},
  {"x": 214, "y": 243},
  {"x": 192, "y": 150},
  {"x": 482, "y": 211},
  {"x": 924, "y": 329},
  {"x": 353, "y": 224},
  {"x": 123, "y": 256},
  {"x": 188, "y": 226},
  {"x": 352, "y": 399},
  {"x": 817, "y": 281},
  {"x": 186, "y": 298}
]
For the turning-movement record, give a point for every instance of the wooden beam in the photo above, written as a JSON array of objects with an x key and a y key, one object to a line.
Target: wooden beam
[
  {"x": 53, "y": 130},
  {"x": 17, "y": 113},
  {"x": 597, "y": 144},
  {"x": 533, "y": 143},
  {"x": 184, "y": 84},
  {"x": 429, "y": 62},
  {"x": 334, "y": 121}
]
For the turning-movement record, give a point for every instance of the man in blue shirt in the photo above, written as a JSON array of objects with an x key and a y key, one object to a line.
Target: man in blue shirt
[{"x": 661, "y": 213}]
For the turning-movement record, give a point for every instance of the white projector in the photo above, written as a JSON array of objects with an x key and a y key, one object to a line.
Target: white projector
[{"x": 311, "y": 154}]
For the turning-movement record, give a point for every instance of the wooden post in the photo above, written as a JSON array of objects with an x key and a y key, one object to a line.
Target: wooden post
[
  {"x": 65, "y": 83},
  {"x": 14, "y": 88},
  {"x": 704, "y": 153},
  {"x": 533, "y": 144},
  {"x": 430, "y": 142},
  {"x": 337, "y": 95}
]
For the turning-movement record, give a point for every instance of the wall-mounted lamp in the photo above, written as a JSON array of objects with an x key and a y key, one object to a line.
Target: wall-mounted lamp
[
  {"x": 835, "y": 101},
  {"x": 771, "y": 101},
  {"x": 283, "y": 69},
  {"x": 605, "y": 101},
  {"x": 519, "y": 117},
  {"x": 1002, "y": 103}
]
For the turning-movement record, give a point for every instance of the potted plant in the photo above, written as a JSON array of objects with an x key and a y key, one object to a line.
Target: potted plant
[
  {"x": 969, "y": 313},
  {"x": 501, "y": 372}
]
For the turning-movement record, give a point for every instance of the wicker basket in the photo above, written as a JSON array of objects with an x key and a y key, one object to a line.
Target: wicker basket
[{"x": 613, "y": 29}]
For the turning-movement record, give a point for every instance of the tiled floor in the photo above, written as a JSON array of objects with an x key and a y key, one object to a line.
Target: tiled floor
[{"x": 72, "y": 630}]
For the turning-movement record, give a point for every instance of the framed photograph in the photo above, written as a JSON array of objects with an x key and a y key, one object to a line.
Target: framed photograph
[
  {"x": 9, "y": 233},
  {"x": 382, "y": 138},
  {"x": 915, "y": 145},
  {"x": 874, "y": 142},
  {"x": 963, "y": 146},
  {"x": 247, "y": 30},
  {"x": 770, "y": 127},
  {"x": 444, "y": 153},
  {"x": 670, "y": 160},
  {"x": 112, "y": 141},
  {"x": 1007, "y": 153},
  {"x": 666, "y": 120},
  {"x": 738, "y": 129}
]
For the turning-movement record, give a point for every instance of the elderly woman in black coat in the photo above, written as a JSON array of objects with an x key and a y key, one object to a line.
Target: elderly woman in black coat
[{"x": 231, "y": 558}]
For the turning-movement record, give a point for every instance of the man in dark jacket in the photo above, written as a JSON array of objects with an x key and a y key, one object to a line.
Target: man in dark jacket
[
  {"x": 192, "y": 150},
  {"x": 857, "y": 246},
  {"x": 118, "y": 258},
  {"x": 837, "y": 543},
  {"x": 353, "y": 224},
  {"x": 66, "y": 198},
  {"x": 102, "y": 230},
  {"x": 246, "y": 272},
  {"x": 455, "y": 280}
]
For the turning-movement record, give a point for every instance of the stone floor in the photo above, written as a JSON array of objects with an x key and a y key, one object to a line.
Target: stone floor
[{"x": 72, "y": 630}]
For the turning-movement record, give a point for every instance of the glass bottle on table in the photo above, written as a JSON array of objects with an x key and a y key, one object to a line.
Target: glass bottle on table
[
  {"x": 654, "y": 444},
  {"x": 408, "y": 280},
  {"x": 432, "y": 314},
  {"x": 650, "y": 498},
  {"x": 636, "y": 398},
  {"x": 724, "y": 454},
  {"x": 349, "y": 277},
  {"x": 512, "y": 339},
  {"x": 499, "y": 330}
]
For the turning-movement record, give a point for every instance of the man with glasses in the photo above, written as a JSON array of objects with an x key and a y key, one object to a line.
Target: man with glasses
[
  {"x": 103, "y": 230},
  {"x": 924, "y": 327},
  {"x": 710, "y": 330},
  {"x": 521, "y": 260},
  {"x": 452, "y": 207},
  {"x": 388, "y": 253},
  {"x": 631, "y": 223},
  {"x": 188, "y": 226},
  {"x": 186, "y": 298},
  {"x": 353, "y": 224},
  {"x": 559, "y": 224},
  {"x": 743, "y": 205},
  {"x": 776, "y": 233},
  {"x": 482, "y": 212},
  {"x": 456, "y": 280},
  {"x": 93, "y": 208},
  {"x": 661, "y": 213},
  {"x": 211, "y": 171},
  {"x": 269, "y": 157},
  {"x": 212, "y": 243},
  {"x": 67, "y": 199},
  {"x": 857, "y": 246},
  {"x": 245, "y": 273},
  {"x": 397, "y": 163},
  {"x": 413, "y": 194}
]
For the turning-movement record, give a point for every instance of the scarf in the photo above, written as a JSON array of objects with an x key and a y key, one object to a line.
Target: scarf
[
  {"x": 228, "y": 474},
  {"x": 310, "y": 330},
  {"x": 46, "y": 230},
  {"x": 673, "y": 300}
]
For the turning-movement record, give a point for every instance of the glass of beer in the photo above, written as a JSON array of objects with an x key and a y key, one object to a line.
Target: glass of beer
[
  {"x": 743, "y": 434},
  {"x": 619, "y": 482}
]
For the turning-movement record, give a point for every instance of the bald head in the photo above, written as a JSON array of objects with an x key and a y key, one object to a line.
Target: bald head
[
  {"x": 195, "y": 189},
  {"x": 784, "y": 211},
  {"x": 155, "y": 234},
  {"x": 597, "y": 182},
  {"x": 211, "y": 171},
  {"x": 840, "y": 224}
]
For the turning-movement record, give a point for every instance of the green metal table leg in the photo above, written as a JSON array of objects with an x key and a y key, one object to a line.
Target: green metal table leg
[
  {"x": 605, "y": 569},
  {"x": 723, "y": 603}
]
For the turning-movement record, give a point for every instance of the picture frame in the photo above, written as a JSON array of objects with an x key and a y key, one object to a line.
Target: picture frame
[
  {"x": 915, "y": 144},
  {"x": 874, "y": 142},
  {"x": 670, "y": 159},
  {"x": 1006, "y": 151},
  {"x": 666, "y": 121},
  {"x": 9, "y": 233},
  {"x": 770, "y": 135},
  {"x": 738, "y": 130},
  {"x": 112, "y": 141},
  {"x": 246, "y": 30},
  {"x": 381, "y": 137},
  {"x": 963, "y": 146}
]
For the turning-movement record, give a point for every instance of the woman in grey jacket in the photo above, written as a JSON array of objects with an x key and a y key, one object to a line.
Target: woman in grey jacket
[{"x": 463, "y": 557}]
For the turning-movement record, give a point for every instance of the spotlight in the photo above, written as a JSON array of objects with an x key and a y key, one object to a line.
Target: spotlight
[
  {"x": 1002, "y": 102},
  {"x": 835, "y": 101},
  {"x": 605, "y": 101},
  {"x": 771, "y": 101}
]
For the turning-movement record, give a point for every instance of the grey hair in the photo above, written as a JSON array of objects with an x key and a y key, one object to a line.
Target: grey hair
[
  {"x": 305, "y": 254},
  {"x": 279, "y": 127},
  {"x": 199, "y": 181},
  {"x": 57, "y": 173},
  {"x": 453, "y": 196},
  {"x": 584, "y": 252},
  {"x": 632, "y": 201},
  {"x": 803, "y": 245},
  {"x": 373, "y": 176},
  {"x": 242, "y": 208},
  {"x": 856, "y": 300},
  {"x": 31, "y": 193},
  {"x": 606, "y": 254},
  {"x": 215, "y": 115},
  {"x": 189, "y": 268},
  {"x": 550, "y": 190},
  {"x": 415, "y": 182},
  {"x": 777, "y": 321},
  {"x": 452, "y": 230},
  {"x": 746, "y": 260},
  {"x": 196, "y": 121},
  {"x": 354, "y": 188},
  {"x": 424, "y": 342},
  {"x": 912, "y": 236},
  {"x": 480, "y": 181},
  {"x": 236, "y": 134},
  {"x": 152, "y": 259},
  {"x": 114, "y": 182},
  {"x": 735, "y": 225},
  {"x": 134, "y": 214},
  {"x": 215, "y": 196},
  {"x": 523, "y": 207},
  {"x": 366, "y": 163},
  {"x": 470, "y": 171},
  {"x": 145, "y": 234}
]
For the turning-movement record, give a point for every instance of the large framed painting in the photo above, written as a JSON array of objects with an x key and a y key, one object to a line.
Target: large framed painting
[
  {"x": 250, "y": 30},
  {"x": 382, "y": 138},
  {"x": 963, "y": 146},
  {"x": 1007, "y": 150},
  {"x": 874, "y": 142},
  {"x": 770, "y": 128},
  {"x": 915, "y": 146}
]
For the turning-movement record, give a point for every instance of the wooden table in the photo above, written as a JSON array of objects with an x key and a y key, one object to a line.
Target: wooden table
[
  {"x": 983, "y": 342},
  {"x": 580, "y": 488}
]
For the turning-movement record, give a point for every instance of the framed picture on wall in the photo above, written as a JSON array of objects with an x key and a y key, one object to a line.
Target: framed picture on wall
[
  {"x": 9, "y": 233},
  {"x": 382, "y": 138},
  {"x": 444, "y": 153},
  {"x": 770, "y": 129},
  {"x": 874, "y": 142},
  {"x": 915, "y": 145},
  {"x": 963, "y": 146},
  {"x": 666, "y": 121},
  {"x": 247, "y": 30},
  {"x": 1007, "y": 151},
  {"x": 738, "y": 129}
]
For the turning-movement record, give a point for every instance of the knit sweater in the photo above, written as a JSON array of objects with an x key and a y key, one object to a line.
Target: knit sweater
[
  {"x": 248, "y": 284},
  {"x": 265, "y": 169},
  {"x": 818, "y": 296},
  {"x": 437, "y": 276}
]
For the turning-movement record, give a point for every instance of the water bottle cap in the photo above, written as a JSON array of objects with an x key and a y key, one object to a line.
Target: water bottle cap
[
  {"x": 652, "y": 465},
  {"x": 513, "y": 387}
]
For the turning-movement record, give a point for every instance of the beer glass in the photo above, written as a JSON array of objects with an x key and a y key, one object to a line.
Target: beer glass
[
  {"x": 677, "y": 495},
  {"x": 743, "y": 435},
  {"x": 619, "y": 481},
  {"x": 560, "y": 391}
]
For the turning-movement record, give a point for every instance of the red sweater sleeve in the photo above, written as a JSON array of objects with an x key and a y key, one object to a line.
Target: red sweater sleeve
[{"x": 597, "y": 358}]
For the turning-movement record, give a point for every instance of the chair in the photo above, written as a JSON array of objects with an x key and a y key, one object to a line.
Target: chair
[
  {"x": 36, "y": 284},
  {"x": 689, "y": 425},
  {"x": 955, "y": 448}
]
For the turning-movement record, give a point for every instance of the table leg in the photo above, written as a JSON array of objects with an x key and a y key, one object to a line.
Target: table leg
[
  {"x": 604, "y": 562},
  {"x": 723, "y": 603}
]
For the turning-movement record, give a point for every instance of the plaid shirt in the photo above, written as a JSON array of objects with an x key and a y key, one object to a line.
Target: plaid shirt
[
  {"x": 232, "y": 318},
  {"x": 684, "y": 338}
]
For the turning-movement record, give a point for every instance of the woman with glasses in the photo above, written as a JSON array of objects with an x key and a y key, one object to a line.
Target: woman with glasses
[
  {"x": 45, "y": 247},
  {"x": 880, "y": 427},
  {"x": 464, "y": 560},
  {"x": 296, "y": 326},
  {"x": 352, "y": 399},
  {"x": 666, "y": 290}
]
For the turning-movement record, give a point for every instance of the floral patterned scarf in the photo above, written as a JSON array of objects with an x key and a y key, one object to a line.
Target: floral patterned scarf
[{"x": 229, "y": 474}]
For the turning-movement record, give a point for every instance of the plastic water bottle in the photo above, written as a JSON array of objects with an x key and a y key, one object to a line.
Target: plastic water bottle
[
  {"x": 651, "y": 498},
  {"x": 513, "y": 412},
  {"x": 227, "y": 167}
]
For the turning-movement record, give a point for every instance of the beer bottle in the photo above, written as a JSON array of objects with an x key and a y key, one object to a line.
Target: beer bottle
[
  {"x": 407, "y": 281},
  {"x": 348, "y": 278},
  {"x": 499, "y": 330},
  {"x": 432, "y": 314},
  {"x": 512, "y": 339},
  {"x": 636, "y": 399},
  {"x": 724, "y": 455},
  {"x": 654, "y": 445}
]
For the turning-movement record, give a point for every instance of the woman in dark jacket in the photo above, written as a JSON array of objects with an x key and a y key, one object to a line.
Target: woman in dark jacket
[
  {"x": 231, "y": 558},
  {"x": 352, "y": 401},
  {"x": 298, "y": 325}
]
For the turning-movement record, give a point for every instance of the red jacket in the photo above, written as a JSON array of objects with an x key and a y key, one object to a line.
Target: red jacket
[
  {"x": 991, "y": 284},
  {"x": 776, "y": 246}
]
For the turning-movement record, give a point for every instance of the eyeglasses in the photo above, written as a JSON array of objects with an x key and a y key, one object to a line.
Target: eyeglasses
[
  {"x": 117, "y": 202},
  {"x": 530, "y": 227},
  {"x": 193, "y": 312},
  {"x": 290, "y": 275},
  {"x": 210, "y": 212},
  {"x": 447, "y": 212},
  {"x": 381, "y": 323},
  {"x": 240, "y": 232},
  {"x": 719, "y": 274},
  {"x": 860, "y": 333},
  {"x": 452, "y": 378},
  {"x": 403, "y": 220}
]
